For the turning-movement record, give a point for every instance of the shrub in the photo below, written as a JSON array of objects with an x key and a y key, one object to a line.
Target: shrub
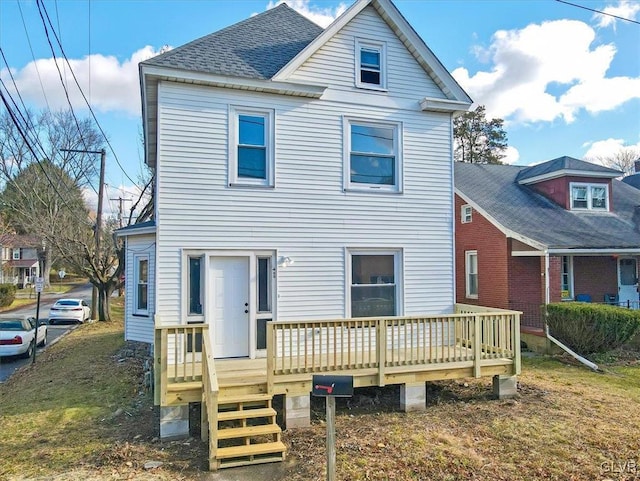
[
  {"x": 7, "y": 294},
  {"x": 589, "y": 328}
]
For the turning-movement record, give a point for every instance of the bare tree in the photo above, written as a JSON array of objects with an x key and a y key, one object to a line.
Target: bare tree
[{"x": 623, "y": 160}]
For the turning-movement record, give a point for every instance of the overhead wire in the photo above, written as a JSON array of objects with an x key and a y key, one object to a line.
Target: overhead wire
[{"x": 599, "y": 11}]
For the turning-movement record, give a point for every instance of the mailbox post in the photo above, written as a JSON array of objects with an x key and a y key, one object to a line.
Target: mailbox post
[{"x": 331, "y": 387}]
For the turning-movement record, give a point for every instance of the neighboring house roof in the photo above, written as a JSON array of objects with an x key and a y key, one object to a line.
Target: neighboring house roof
[
  {"x": 632, "y": 180},
  {"x": 495, "y": 192},
  {"x": 257, "y": 47},
  {"x": 564, "y": 166},
  {"x": 148, "y": 227},
  {"x": 21, "y": 263},
  {"x": 17, "y": 240}
]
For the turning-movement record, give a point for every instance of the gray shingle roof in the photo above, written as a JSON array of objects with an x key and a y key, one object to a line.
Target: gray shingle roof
[
  {"x": 494, "y": 188},
  {"x": 257, "y": 47},
  {"x": 633, "y": 180},
  {"x": 564, "y": 163}
]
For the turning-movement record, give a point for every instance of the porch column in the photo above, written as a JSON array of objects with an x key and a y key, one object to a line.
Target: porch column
[
  {"x": 297, "y": 411},
  {"x": 505, "y": 387},
  {"x": 174, "y": 422},
  {"x": 413, "y": 397}
]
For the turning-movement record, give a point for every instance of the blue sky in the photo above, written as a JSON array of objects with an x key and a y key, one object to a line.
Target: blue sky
[{"x": 566, "y": 80}]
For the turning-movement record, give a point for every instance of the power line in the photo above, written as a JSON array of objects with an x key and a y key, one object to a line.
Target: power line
[
  {"x": 599, "y": 11},
  {"x": 64, "y": 55}
]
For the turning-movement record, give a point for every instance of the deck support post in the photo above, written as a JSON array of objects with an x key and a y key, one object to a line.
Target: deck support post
[
  {"x": 297, "y": 411},
  {"x": 413, "y": 397},
  {"x": 174, "y": 422},
  {"x": 505, "y": 387}
]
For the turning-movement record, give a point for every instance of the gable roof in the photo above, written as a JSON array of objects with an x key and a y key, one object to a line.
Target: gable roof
[
  {"x": 495, "y": 192},
  {"x": 564, "y": 166},
  {"x": 255, "y": 48},
  {"x": 407, "y": 35},
  {"x": 632, "y": 180}
]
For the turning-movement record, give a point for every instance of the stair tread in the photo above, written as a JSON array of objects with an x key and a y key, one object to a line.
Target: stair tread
[
  {"x": 250, "y": 450},
  {"x": 246, "y": 398},
  {"x": 246, "y": 413},
  {"x": 246, "y": 431}
]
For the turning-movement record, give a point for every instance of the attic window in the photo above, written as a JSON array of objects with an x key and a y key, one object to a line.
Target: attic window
[
  {"x": 466, "y": 213},
  {"x": 371, "y": 65},
  {"x": 589, "y": 196}
]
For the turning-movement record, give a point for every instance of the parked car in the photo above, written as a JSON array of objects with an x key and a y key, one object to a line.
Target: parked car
[
  {"x": 17, "y": 335},
  {"x": 74, "y": 310}
]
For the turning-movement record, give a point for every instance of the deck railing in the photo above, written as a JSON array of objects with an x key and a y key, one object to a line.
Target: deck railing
[{"x": 473, "y": 334}]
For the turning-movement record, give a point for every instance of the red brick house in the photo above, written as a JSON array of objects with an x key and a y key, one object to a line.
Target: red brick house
[{"x": 562, "y": 230}]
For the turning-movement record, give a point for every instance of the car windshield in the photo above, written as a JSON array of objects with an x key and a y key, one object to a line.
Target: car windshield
[
  {"x": 65, "y": 302},
  {"x": 11, "y": 326}
]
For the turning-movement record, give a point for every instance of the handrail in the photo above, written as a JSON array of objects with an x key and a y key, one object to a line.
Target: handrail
[{"x": 209, "y": 409}]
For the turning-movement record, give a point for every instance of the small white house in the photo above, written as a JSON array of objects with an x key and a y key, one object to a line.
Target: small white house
[{"x": 301, "y": 173}]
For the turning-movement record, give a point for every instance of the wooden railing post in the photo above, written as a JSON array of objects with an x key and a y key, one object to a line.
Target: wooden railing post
[
  {"x": 271, "y": 356},
  {"x": 516, "y": 343},
  {"x": 381, "y": 337},
  {"x": 477, "y": 341}
]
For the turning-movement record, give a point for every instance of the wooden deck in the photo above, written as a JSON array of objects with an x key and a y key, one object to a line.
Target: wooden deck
[{"x": 473, "y": 342}]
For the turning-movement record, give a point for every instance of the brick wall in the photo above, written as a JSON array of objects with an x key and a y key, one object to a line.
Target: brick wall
[
  {"x": 595, "y": 276},
  {"x": 491, "y": 244}
]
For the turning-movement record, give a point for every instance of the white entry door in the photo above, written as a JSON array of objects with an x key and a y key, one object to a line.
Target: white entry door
[
  {"x": 229, "y": 327},
  {"x": 628, "y": 281}
]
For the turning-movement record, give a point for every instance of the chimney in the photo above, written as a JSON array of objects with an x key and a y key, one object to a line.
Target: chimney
[{"x": 637, "y": 166}]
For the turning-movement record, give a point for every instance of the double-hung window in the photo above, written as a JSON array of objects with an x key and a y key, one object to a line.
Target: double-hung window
[
  {"x": 589, "y": 196},
  {"x": 375, "y": 283},
  {"x": 466, "y": 213},
  {"x": 373, "y": 155},
  {"x": 370, "y": 65},
  {"x": 251, "y": 147},
  {"x": 16, "y": 254},
  {"x": 471, "y": 274},
  {"x": 141, "y": 265}
]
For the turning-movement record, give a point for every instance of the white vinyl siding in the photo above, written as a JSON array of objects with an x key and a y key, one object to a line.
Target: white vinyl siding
[
  {"x": 139, "y": 326},
  {"x": 333, "y": 65},
  {"x": 309, "y": 217}
]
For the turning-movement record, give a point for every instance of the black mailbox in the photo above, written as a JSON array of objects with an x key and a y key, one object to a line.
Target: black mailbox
[{"x": 335, "y": 386}]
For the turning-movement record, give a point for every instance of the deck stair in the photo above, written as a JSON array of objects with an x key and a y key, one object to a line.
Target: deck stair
[{"x": 247, "y": 432}]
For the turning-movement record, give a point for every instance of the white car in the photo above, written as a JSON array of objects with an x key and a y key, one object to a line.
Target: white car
[
  {"x": 17, "y": 333},
  {"x": 65, "y": 310}
]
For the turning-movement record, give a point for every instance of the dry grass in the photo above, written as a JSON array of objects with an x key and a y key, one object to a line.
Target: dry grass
[{"x": 82, "y": 414}]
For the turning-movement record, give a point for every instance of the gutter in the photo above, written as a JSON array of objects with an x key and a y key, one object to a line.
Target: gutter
[{"x": 566, "y": 349}]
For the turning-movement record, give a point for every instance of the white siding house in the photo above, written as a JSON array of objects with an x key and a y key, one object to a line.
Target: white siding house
[{"x": 313, "y": 184}]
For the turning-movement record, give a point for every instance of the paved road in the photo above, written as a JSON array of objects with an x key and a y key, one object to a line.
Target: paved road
[{"x": 8, "y": 365}]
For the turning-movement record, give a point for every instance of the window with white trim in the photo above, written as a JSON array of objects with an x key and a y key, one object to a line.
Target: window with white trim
[
  {"x": 251, "y": 147},
  {"x": 566, "y": 281},
  {"x": 16, "y": 254},
  {"x": 371, "y": 71},
  {"x": 264, "y": 292},
  {"x": 373, "y": 155},
  {"x": 471, "y": 274},
  {"x": 195, "y": 284},
  {"x": 589, "y": 196},
  {"x": 141, "y": 274},
  {"x": 466, "y": 214},
  {"x": 375, "y": 283}
]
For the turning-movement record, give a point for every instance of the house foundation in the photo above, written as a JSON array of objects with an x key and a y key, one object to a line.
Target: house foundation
[
  {"x": 413, "y": 397},
  {"x": 505, "y": 387},
  {"x": 174, "y": 422},
  {"x": 297, "y": 411}
]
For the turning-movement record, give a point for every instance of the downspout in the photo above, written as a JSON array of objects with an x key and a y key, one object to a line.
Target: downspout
[{"x": 566, "y": 349}]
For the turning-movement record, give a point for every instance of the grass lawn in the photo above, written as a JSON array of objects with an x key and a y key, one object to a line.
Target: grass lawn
[{"x": 81, "y": 413}]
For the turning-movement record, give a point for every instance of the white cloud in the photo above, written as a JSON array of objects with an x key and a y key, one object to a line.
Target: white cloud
[
  {"x": 318, "y": 15},
  {"x": 624, "y": 9},
  {"x": 602, "y": 149},
  {"x": 547, "y": 71},
  {"x": 108, "y": 84},
  {"x": 511, "y": 155}
]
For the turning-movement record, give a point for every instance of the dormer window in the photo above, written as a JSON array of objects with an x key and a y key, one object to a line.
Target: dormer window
[
  {"x": 371, "y": 65},
  {"x": 589, "y": 196}
]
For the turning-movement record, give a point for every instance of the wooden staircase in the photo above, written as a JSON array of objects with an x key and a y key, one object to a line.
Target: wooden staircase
[{"x": 247, "y": 432}]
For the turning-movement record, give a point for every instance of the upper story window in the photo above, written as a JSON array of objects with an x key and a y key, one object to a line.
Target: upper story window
[
  {"x": 373, "y": 155},
  {"x": 371, "y": 65},
  {"x": 251, "y": 147},
  {"x": 16, "y": 254},
  {"x": 589, "y": 196},
  {"x": 466, "y": 214}
]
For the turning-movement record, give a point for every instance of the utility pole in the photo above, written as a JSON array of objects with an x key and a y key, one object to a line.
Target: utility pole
[
  {"x": 121, "y": 202},
  {"x": 98, "y": 232}
]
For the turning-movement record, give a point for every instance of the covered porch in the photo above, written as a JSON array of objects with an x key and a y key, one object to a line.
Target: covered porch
[{"x": 238, "y": 419}]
